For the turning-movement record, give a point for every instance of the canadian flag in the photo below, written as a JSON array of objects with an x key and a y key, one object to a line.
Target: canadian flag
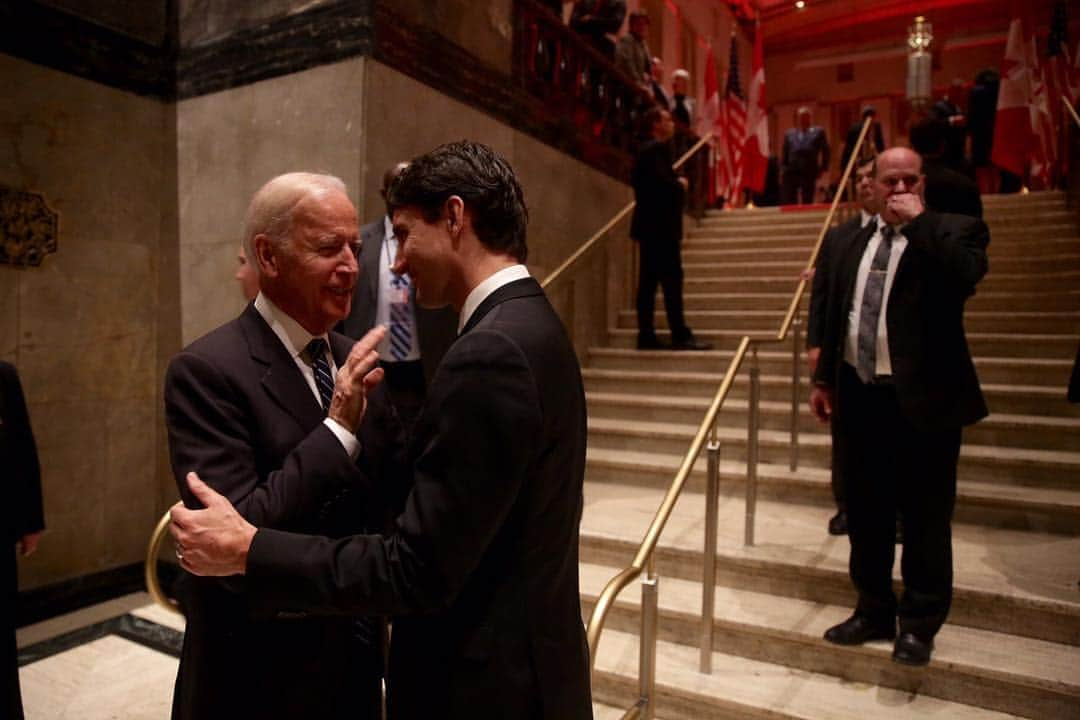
[
  {"x": 710, "y": 121},
  {"x": 756, "y": 150},
  {"x": 1013, "y": 136}
]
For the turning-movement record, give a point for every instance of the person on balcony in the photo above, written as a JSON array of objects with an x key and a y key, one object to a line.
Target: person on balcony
[
  {"x": 656, "y": 226},
  {"x": 597, "y": 20},
  {"x": 805, "y": 157},
  {"x": 632, "y": 55}
]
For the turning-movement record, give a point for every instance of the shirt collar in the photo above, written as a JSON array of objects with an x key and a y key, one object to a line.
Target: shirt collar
[
  {"x": 867, "y": 218},
  {"x": 291, "y": 333},
  {"x": 480, "y": 293}
]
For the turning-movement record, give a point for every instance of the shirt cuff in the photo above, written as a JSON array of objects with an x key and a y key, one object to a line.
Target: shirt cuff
[{"x": 346, "y": 438}]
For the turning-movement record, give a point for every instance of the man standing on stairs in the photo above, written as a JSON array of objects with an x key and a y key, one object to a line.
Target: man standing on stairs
[
  {"x": 896, "y": 369},
  {"x": 657, "y": 228},
  {"x": 836, "y": 240}
]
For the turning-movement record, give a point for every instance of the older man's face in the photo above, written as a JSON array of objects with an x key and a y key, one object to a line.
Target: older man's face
[{"x": 317, "y": 265}]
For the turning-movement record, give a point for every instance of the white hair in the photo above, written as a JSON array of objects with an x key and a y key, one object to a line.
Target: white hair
[
  {"x": 271, "y": 208},
  {"x": 681, "y": 73}
]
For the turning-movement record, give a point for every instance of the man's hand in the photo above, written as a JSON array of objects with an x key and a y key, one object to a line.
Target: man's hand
[
  {"x": 213, "y": 541},
  {"x": 28, "y": 543},
  {"x": 360, "y": 374},
  {"x": 902, "y": 208},
  {"x": 821, "y": 402},
  {"x": 813, "y": 354}
]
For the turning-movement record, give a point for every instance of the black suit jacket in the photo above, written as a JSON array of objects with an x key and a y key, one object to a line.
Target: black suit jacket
[
  {"x": 874, "y": 139},
  {"x": 240, "y": 413},
  {"x": 948, "y": 191},
  {"x": 436, "y": 328},
  {"x": 815, "y": 318},
  {"x": 19, "y": 467},
  {"x": 658, "y": 193},
  {"x": 935, "y": 378},
  {"x": 482, "y": 567}
]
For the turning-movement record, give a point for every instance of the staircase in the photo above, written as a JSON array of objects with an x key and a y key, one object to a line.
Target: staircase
[{"x": 1011, "y": 646}]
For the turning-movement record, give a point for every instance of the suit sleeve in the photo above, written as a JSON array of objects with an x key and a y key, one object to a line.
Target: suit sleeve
[
  {"x": 824, "y": 151},
  {"x": 955, "y": 245},
  {"x": 815, "y": 318},
  {"x": 486, "y": 420},
  {"x": 211, "y": 432},
  {"x": 29, "y": 515}
]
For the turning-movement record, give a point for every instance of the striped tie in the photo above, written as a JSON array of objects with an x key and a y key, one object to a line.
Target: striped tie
[
  {"x": 870, "y": 310},
  {"x": 316, "y": 350},
  {"x": 401, "y": 320}
]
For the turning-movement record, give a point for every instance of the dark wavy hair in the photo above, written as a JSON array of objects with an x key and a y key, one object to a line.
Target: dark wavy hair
[{"x": 481, "y": 178}]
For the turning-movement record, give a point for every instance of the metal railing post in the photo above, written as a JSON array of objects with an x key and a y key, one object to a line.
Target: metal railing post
[
  {"x": 796, "y": 377},
  {"x": 708, "y": 575},
  {"x": 647, "y": 657},
  {"x": 752, "y": 447}
]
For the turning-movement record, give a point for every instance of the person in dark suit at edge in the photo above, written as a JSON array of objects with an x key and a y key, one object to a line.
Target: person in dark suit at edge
[
  {"x": 947, "y": 191},
  {"x": 23, "y": 517},
  {"x": 896, "y": 370},
  {"x": 839, "y": 236},
  {"x": 417, "y": 337},
  {"x": 246, "y": 407},
  {"x": 481, "y": 569},
  {"x": 873, "y": 144},
  {"x": 656, "y": 226}
]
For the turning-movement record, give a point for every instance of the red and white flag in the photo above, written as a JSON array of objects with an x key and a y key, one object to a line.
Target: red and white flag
[
  {"x": 709, "y": 118},
  {"x": 733, "y": 135},
  {"x": 756, "y": 150},
  {"x": 1014, "y": 140}
]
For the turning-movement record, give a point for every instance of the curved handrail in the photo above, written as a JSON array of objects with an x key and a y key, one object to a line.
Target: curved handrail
[
  {"x": 150, "y": 572},
  {"x": 588, "y": 245},
  {"x": 652, "y": 535}
]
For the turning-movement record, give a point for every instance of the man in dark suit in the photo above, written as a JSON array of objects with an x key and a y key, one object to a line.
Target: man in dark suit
[
  {"x": 481, "y": 569},
  {"x": 417, "y": 337},
  {"x": 805, "y": 157},
  {"x": 22, "y": 517},
  {"x": 246, "y": 408},
  {"x": 839, "y": 236},
  {"x": 947, "y": 191},
  {"x": 896, "y": 369},
  {"x": 656, "y": 226},
  {"x": 873, "y": 144}
]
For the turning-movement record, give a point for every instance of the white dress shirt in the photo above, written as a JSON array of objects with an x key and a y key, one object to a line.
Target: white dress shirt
[
  {"x": 480, "y": 293},
  {"x": 384, "y": 296},
  {"x": 295, "y": 339},
  {"x": 882, "y": 361}
]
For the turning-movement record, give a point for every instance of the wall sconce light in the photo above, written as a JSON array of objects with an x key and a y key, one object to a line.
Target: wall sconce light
[{"x": 920, "y": 35}]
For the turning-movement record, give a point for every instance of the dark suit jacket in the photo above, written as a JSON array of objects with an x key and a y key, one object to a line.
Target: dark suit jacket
[
  {"x": 874, "y": 140},
  {"x": 659, "y": 195},
  {"x": 806, "y": 155},
  {"x": 482, "y": 567},
  {"x": 240, "y": 414},
  {"x": 815, "y": 318},
  {"x": 19, "y": 467},
  {"x": 948, "y": 191},
  {"x": 935, "y": 378},
  {"x": 437, "y": 329}
]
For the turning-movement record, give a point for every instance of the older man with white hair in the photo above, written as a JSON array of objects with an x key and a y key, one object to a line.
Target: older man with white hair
[{"x": 252, "y": 407}]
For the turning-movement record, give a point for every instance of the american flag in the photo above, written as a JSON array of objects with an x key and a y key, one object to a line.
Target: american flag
[{"x": 733, "y": 124}]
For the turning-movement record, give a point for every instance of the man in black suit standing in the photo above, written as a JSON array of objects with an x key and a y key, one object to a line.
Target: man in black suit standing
[
  {"x": 804, "y": 158},
  {"x": 22, "y": 517},
  {"x": 481, "y": 568},
  {"x": 839, "y": 236},
  {"x": 417, "y": 337},
  {"x": 896, "y": 369},
  {"x": 947, "y": 191},
  {"x": 246, "y": 407},
  {"x": 873, "y": 144},
  {"x": 656, "y": 226}
]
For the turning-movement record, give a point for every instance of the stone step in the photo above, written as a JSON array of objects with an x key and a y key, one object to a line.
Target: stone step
[
  {"x": 1064, "y": 300},
  {"x": 1009, "y": 398},
  {"x": 1042, "y": 322},
  {"x": 1016, "y": 488},
  {"x": 994, "y": 370},
  {"x": 1037, "y": 432},
  {"x": 1017, "y": 582},
  {"x": 986, "y": 669},
  {"x": 1017, "y": 230},
  {"x": 743, "y": 689},
  {"x": 1048, "y": 265},
  {"x": 785, "y": 282},
  {"x": 982, "y": 344},
  {"x": 707, "y": 250}
]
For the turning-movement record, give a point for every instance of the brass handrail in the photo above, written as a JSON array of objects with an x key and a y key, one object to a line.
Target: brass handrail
[
  {"x": 1072, "y": 111},
  {"x": 588, "y": 245},
  {"x": 153, "y": 582},
  {"x": 663, "y": 513}
]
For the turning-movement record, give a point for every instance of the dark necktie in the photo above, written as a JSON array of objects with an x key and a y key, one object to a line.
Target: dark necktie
[
  {"x": 870, "y": 310},
  {"x": 316, "y": 350}
]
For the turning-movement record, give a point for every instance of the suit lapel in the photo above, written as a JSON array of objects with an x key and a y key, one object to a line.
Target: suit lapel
[
  {"x": 525, "y": 287},
  {"x": 281, "y": 379}
]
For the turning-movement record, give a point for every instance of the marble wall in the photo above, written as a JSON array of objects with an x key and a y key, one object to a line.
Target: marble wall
[{"x": 83, "y": 328}]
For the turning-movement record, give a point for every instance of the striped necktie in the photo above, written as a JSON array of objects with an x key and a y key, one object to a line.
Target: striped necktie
[
  {"x": 401, "y": 320},
  {"x": 870, "y": 310},
  {"x": 316, "y": 352}
]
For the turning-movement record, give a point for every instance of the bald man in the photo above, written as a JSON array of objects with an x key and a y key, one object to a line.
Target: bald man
[{"x": 896, "y": 371}]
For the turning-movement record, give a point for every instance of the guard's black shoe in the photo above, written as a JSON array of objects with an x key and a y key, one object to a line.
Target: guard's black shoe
[
  {"x": 910, "y": 650},
  {"x": 858, "y": 629},
  {"x": 838, "y": 523},
  {"x": 651, "y": 342},
  {"x": 690, "y": 343}
]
